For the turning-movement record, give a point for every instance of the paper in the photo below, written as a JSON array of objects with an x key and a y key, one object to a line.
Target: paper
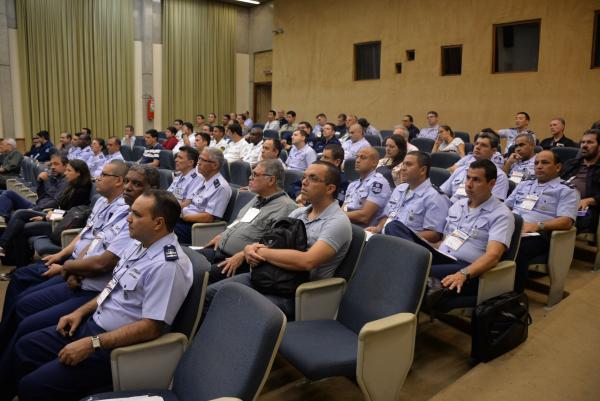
[
  {"x": 138, "y": 398},
  {"x": 523, "y": 235},
  {"x": 195, "y": 248}
]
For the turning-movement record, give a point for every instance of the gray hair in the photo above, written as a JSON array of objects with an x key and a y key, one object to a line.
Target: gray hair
[
  {"x": 405, "y": 133},
  {"x": 529, "y": 137},
  {"x": 217, "y": 156},
  {"x": 274, "y": 168},
  {"x": 121, "y": 168},
  {"x": 11, "y": 142},
  {"x": 562, "y": 120}
]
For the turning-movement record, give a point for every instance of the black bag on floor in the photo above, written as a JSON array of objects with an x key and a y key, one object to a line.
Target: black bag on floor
[
  {"x": 75, "y": 217},
  {"x": 498, "y": 325},
  {"x": 286, "y": 233}
]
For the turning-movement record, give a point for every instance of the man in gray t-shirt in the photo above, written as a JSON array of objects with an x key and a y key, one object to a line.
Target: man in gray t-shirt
[{"x": 328, "y": 230}]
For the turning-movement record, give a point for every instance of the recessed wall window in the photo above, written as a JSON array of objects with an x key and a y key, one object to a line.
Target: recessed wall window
[
  {"x": 516, "y": 46},
  {"x": 451, "y": 60},
  {"x": 367, "y": 60},
  {"x": 596, "y": 42}
]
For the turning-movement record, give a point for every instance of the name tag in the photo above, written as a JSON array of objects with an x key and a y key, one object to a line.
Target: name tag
[
  {"x": 250, "y": 215},
  {"x": 456, "y": 239},
  {"x": 461, "y": 190},
  {"x": 107, "y": 290},
  {"x": 529, "y": 202},
  {"x": 516, "y": 177}
]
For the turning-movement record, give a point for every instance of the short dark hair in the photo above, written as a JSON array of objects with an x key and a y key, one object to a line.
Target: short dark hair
[
  {"x": 189, "y": 126},
  {"x": 273, "y": 112},
  {"x": 491, "y": 171},
  {"x": 363, "y": 123},
  {"x": 44, "y": 134},
  {"x": 63, "y": 158},
  {"x": 321, "y": 115},
  {"x": 308, "y": 125},
  {"x": 89, "y": 131},
  {"x": 493, "y": 138},
  {"x": 525, "y": 114},
  {"x": 117, "y": 140},
  {"x": 433, "y": 112},
  {"x": 68, "y": 134},
  {"x": 235, "y": 129},
  {"x": 304, "y": 134},
  {"x": 410, "y": 117},
  {"x": 333, "y": 175},
  {"x": 192, "y": 153},
  {"x": 277, "y": 144},
  {"x": 204, "y": 136},
  {"x": 227, "y": 116},
  {"x": 343, "y": 116},
  {"x": 172, "y": 130},
  {"x": 200, "y": 115},
  {"x": 595, "y": 125},
  {"x": 130, "y": 127},
  {"x": 337, "y": 152},
  {"x": 165, "y": 206},
  {"x": 153, "y": 133},
  {"x": 555, "y": 155},
  {"x": 593, "y": 132},
  {"x": 447, "y": 128},
  {"x": 423, "y": 159},
  {"x": 177, "y": 120},
  {"x": 151, "y": 174},
  {"x": 218, "y": 128},
  {"x": 291, "y": 113},
  {"x": 87, "y": 138}
]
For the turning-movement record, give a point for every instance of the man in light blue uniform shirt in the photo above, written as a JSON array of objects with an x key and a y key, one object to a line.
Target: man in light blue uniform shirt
[
  {"x": 210, "y": 200},
  {"x": 485, "y": 147},
  {"x": 477, "y": 233},
  {"x": 301, "y": 155},
  {"x": 416, "y": 206},
  {"x": 328, "y": 232},
  {"x": 521, "y": 127},
  {"x": 150, "y": 283},
  {"x": 366, "y": 197},
  {"x": 355, "y": 142},
  {"x": 546, "y": 203},
  {"x": 113, "y": 145},
  {"x": 98, "y": 159},
  {"x": 188, "y": 181},
  {"x": 520, "y": 165},
  {"x": 432, "y": 131},
  {"x": 82, "y": 151}
]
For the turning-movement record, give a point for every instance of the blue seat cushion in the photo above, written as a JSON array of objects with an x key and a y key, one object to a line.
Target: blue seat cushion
[
  {"x": 43, "y": 246},
  {"x": 165, "y": 394},
  {"x": 320, "y": 348}
]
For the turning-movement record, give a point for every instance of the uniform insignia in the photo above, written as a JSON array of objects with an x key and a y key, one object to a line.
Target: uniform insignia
[
  {"x": 568, "y": 184},
  {"x": 170, "y": 252},
  {"x": 217, "y": 183},
  {"x": 194, "y": 175},
  {"x": 376, "y": 187}
]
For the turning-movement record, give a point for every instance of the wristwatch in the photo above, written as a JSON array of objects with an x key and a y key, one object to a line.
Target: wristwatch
[
  {"x": 465, "y": 272},
  {"x": 96, "y": 343},
  {"x": 540, "y": 226}
]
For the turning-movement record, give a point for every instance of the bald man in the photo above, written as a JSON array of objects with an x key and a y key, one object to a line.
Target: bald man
[
  {"x": 355, "y": 142},
  {"x": 366, "y": 197}
]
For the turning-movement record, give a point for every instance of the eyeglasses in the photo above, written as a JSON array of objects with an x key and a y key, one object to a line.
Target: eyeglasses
[
  {"x": 312, "y": 178},
  {"x": 254, "y": 175},
  {"x": 103, "y": 174}
]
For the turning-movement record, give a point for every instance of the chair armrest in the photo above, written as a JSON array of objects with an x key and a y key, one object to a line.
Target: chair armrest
[
  {"x": 560, "y": 256},
  {"x": 385, "y": 354},
  {"x": 204, "y": 232},
  {"x": 498, "y": 280},
  {"x": 66, "y": 236},
  {"x": 148, "y": 365},
  {"x": 320, "y": 299}
]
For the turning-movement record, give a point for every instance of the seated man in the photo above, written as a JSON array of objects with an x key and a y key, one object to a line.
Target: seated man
[
  {"x": 238, "y": 147},
  {"x": 367, "y": 196},
  {"x": 521, "y": 127},
  {"x": 71, "y": 359},
  {"x": 64, "y": 144},
  {"x": 485, "y": 147},
  {"x": 327, "y": 138},
  {"x": 355, "y": 142},
  {"x": 201, "y": 141},
  {"x": 10, "y": 162},
  {"x": 254, "y": 149},
  {"x": 46, "y": 148},
  {"x": 82, "y": 149},
  {"x": 477, "y": 233},
  {"x": 558, "y": 138},
  {"x": 113, "y": 145},
  {"x": 226, "y": 251},
  {"x": 151, "y": 156},
  {"x": 49, "y": 187},
  {"x": 546, "y": 203},
  {"x": 210, "y": 199},
  {"x": 403, "y": 131},
  {"x": 301, "y": 155},
  {"x": 328, "y": 230},
  {"x": 520, "y": 165},
  {"x": 584, "y": 173},
  {"x": 187, "y": 137},
  {"x": 496, "y": 158},
  {"x": 271, "y": 150},
  {"x": 416, "y": 205},
  {"x": 430, "y": 132},
  {"x": 187, "y": 182},
  {"x": 219, "y": 140}
]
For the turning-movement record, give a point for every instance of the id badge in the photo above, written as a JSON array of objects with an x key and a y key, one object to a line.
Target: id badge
[
  {"x": 461, "y": 191},
  {"x": 233, "y": 223},
  {"x": 250, "y": 215},
  {"x": 456, "y": 239},
  {"x": 516, "y": 177},
  {"x": 529, "y": 202},
  {"x": 107, "y": 290}
]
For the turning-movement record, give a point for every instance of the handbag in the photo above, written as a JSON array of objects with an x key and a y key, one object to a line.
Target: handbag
[
  {"x": 499, "y": 325},
  {"x": 73, "y": 218},
  {"x": 286, "y": 233}
]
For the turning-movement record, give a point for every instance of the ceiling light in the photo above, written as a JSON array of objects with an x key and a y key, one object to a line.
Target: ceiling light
[{"x": 249, "y": 1}]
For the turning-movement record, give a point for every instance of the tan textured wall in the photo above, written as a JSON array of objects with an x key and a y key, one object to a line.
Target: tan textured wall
[
  {"x": 263, "y": 61},
  {"x": 313, "y": 62}
]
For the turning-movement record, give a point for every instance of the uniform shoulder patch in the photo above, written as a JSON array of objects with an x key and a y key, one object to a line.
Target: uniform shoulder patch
[
  {"x": 568, "y": 184},
  {"x": 194, "y": 175},
  {"x": 376, "y": 187},
  {"x": 170, "y": 252},
  {"x": 438, "y": 189},
  {"x": 217, "y": 183}
]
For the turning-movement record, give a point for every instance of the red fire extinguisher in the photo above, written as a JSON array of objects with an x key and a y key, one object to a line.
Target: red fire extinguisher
[{"x": 150, "y": 108}]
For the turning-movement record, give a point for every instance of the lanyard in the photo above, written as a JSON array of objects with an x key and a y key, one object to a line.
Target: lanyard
[{"x": 128, "y": 263}]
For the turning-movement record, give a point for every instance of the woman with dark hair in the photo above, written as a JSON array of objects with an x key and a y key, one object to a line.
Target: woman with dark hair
[
  {"x": 171, "y": 134},
  {"x": 447, "y": 142},
  {"x": 389, "y": 166},
  {"x": 76, "y": 193}
]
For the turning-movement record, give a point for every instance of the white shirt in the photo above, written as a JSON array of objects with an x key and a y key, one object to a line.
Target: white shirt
[
  {"x": 236, "y": 150},
  {"x": 411, "y": 148},
  {"x": 192, "y": 139},
  {"x": 222, "y": 144},
  {"x": 253, "y": 153},
  {"x": 272, "y": 125}
]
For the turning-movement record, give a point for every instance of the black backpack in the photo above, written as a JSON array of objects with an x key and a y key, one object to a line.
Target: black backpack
[
  {"x": 286, "y": 233},
  {"x": 74, "y": 218},
  {"x": 498, "y": 325}
]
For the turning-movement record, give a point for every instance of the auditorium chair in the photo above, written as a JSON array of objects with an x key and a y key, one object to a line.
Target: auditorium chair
[
  {"x": 463, "y": 135},
  {"x": 240, "y": 173},
  {"x": 381, "y": 150},
  {"x": 202, "y": 233},
  {"x": 283, "y": 155},
  {"x": 271, "y": 134},
  {"x": 444, "y": 159},
  {"x": 565, "y": 153},
  {"x": 292, "y": 182},
  {"x": 438, "y": 175},
  {"x": 373, "y": 140},
  {"x": 590, "y": 242},
  {"x": 166, "y": 160},
  {"x": 137, "y": 152},
  {"x": 424, "y": 144},
  {"x": 231, "y": 356},
  {"x": 348, "y": 167},
  {"x": 139, "y": 141},
  {"x": 127, "y": 153},
  {"x": 371, "y": 335},
  {"x": 469, "y": 148},
  {"x": 556, "y": 264},
  {"x": 225, "y": 171},
  {"x": 385, "y": 134},
  {"x": 165, "y": 178}
]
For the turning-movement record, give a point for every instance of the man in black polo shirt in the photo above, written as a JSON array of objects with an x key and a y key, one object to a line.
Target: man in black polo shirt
[{"x": 558, "y": 138}]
